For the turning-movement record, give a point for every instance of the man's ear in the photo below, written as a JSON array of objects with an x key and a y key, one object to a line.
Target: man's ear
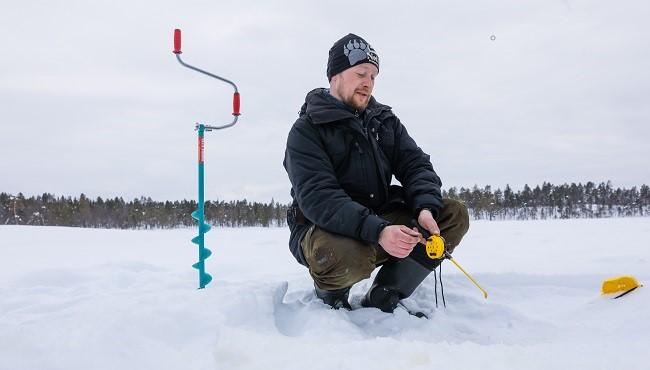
[{"x": 334, "y": 80}]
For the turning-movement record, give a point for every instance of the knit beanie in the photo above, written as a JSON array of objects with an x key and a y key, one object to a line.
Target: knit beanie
[{"x": 348, "y": 52}]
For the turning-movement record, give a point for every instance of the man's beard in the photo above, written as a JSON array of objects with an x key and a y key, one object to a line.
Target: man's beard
[{"x": 350, "y": 101}]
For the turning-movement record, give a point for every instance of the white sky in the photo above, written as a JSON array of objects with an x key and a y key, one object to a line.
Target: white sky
[{"x": 93, "y": 100}]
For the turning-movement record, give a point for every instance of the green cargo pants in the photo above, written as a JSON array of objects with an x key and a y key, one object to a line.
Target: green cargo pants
[{"x": 337, "y": 261}]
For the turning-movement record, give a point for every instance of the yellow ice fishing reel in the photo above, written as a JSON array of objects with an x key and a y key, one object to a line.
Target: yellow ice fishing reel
[{"x": 435, "y": 247}]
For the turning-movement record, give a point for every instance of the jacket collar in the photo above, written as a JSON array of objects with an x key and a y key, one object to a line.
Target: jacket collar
[{"x": 322, "y": 107}]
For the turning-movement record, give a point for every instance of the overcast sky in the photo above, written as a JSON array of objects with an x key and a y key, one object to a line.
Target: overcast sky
[{"x": 498, "y": 92}]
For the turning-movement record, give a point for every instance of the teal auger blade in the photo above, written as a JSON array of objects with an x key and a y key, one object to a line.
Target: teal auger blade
[
  {"x": 205, "y": 253},
  {"x": 205, "y": 279},
  {"x": 199, "y": 240},
  {"x": 205, "y": 228}
]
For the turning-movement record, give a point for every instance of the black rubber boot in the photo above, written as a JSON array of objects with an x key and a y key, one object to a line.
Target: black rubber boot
[
  {"x": 395, "y": 281},
  {"x": 335, "y": 298}
]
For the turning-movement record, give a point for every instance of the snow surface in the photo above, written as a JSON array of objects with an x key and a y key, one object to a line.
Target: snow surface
[{"x": 105, "y": 299}]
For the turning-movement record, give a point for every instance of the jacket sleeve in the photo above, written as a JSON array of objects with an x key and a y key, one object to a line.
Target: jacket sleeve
[
  {"x": 414, "y": 171},
  {"x": 317, "y": 190}
]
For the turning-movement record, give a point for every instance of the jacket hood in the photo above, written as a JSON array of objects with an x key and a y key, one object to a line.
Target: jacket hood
[{"x": 322, "y": 107}]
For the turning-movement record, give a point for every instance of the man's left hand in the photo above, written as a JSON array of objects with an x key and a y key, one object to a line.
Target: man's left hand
[{"x": 425, "y": 219}]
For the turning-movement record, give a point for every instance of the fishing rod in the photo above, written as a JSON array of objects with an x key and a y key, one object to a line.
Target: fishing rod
[{"x": 435, "y": 248}]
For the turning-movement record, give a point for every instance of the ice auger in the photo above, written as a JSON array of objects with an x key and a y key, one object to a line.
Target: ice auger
[{"x": 199, "y": 214}]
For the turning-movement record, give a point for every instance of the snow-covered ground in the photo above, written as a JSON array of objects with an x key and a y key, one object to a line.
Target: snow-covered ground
[{"x": 104, "y": 299}]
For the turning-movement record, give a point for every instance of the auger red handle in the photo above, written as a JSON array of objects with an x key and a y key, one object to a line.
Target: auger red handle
[
  {"x": 177, "y": 41},
  {"x": 235, "y": 104}
]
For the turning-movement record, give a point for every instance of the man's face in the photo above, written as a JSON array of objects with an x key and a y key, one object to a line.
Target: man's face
[{"x": 354, "y": 85}]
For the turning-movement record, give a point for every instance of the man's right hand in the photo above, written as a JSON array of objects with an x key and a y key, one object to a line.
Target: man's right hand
[{"x": 399, "y": 240}]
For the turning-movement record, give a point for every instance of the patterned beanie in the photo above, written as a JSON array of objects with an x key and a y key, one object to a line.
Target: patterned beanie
[{"x": 348, "y": 52}]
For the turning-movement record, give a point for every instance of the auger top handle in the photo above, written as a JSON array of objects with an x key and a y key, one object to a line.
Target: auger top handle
[{"x": 235, "y": 98}]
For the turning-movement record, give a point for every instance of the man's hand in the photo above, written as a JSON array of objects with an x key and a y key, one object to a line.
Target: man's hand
[
  {"x": 425, "y": 219},
  {"x": 399, "y": 240}
]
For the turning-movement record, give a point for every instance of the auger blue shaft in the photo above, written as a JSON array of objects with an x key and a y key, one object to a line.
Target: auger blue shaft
[{"x": 199, "y": 216}]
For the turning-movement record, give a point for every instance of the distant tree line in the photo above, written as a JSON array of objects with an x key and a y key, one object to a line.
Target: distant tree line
[
  {"x": 116, "y": 213},
  {"x": 542, "y": 202},
  {"x": 554, "y": 201}
]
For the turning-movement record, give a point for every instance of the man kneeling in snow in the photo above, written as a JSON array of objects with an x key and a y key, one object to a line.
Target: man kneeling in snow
[{"x": 346, "y": 219}]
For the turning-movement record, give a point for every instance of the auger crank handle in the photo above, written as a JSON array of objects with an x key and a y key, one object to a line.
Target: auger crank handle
[{"x": 236, "y": 99}]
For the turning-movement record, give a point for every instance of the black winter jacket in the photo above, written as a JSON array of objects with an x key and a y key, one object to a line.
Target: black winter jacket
[{"x": 340, "y": 164}]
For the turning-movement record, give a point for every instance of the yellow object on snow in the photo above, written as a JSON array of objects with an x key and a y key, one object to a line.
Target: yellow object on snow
[{"x": 617, "y": 284}]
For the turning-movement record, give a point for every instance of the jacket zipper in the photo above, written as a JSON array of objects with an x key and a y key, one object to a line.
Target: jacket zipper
[{"x": 374, "y": 149}]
